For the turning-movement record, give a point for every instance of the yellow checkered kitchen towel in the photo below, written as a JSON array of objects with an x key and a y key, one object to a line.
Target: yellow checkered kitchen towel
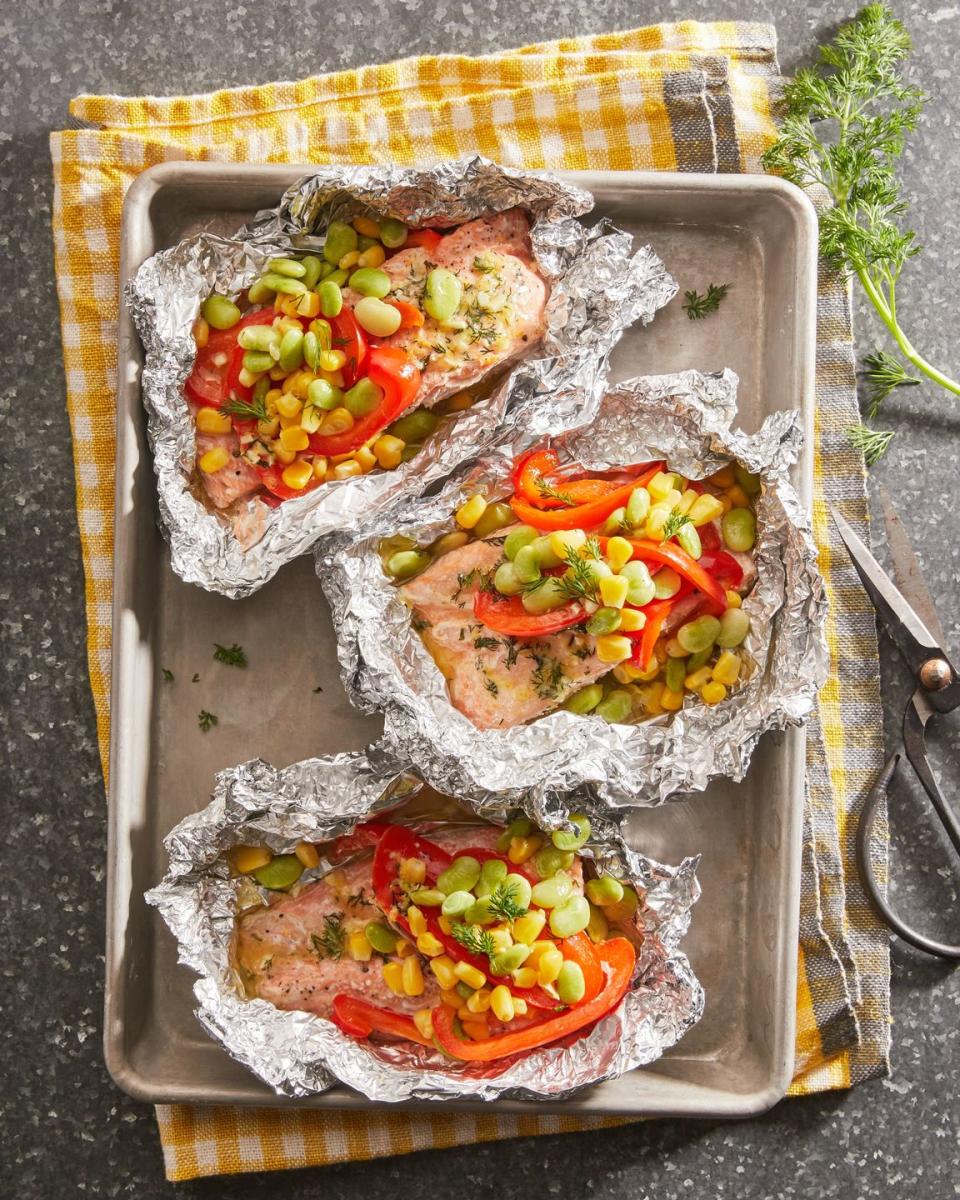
[{"x": 683, "y": 97}]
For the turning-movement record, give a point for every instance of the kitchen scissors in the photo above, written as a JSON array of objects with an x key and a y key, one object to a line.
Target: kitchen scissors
[{"x": 937, "y": 691}]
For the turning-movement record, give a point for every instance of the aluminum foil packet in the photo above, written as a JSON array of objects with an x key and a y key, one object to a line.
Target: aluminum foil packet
[
  {"x": 298, "y": 1053},
  {"x": 685, "y": 419},
  {"x": 599, "y": 286}
]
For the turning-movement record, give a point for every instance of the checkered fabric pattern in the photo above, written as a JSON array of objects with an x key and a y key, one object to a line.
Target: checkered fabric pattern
[{"x": 682, "y": 97}]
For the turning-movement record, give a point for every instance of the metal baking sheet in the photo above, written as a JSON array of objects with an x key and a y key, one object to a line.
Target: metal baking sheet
[{"x": 757, "y": 233}]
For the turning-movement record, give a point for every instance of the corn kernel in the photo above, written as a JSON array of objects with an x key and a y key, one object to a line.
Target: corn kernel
[
  {"x": 442, "y": 968},
  {"x": 650, "y": 697},
  {"x": 283, "y": 456},
  {"x": 347, "y": 470},
  {"x": 674, "y": 649},
  {"x": 308, "y": 854},
  {"x": 288, "y": 423},
  {"x": 470, "y": 512},
  {"x": 366, "y": 458},
  {"x": 726, "y": 503},
  {"x": 713, "y": 693},
  {"x": 277, "y": 374},
  {"x": 613, "y": 590},
  {"x": 294, "y": 438},
  {"x": 338, "y": 420},
  {"x": 686, "y": 501},
  {"x": 502, "y": 938},
  {"x": 416, "y": 920},
  {"x": 373, "y": 256},
  {"x": 522, "y": 848},
  {"x": 298, "y": 474},
  {"x": 465, "y": 1014},
  {"x": 201, "y": 332},
  {"x": 308, "y": 305},
  {"x": 670, "y": 700},
  {"x": 268, "y": 429},
  {"x": 470, "y": 975},
  {"x": 429, "y": 945},
  {"x": 424, "y": 1022},
  {"x": 613, "y": 648},
  {"x": 336, "y": 880},
  {"x": 270, "y": 401},
  {"x": 388, "y": 450},
  {"x": 349, "y": 260},
  {"x": 657, "y": 519},
  {"x": 738, "y": 497},
  {"x": 476, "y": 1030},
  {"x": 320, "y": 467},
  {"x": 449, "y": 997},
  {"x": 527, "y": 928},
  {"x": 650, "y": 673},
  {"x": 697, "y": 679},
  {"x": 244, "y": 859},
  {"x": 405, "y": 948},
  {"x": 537, "y": 950},
  {"x": 705, "y": 508},
  {"x": 618, "y": 553},
  {"x": 311, "y": 419},
  {"x": 332, "y": 360},
  {"x": 724, "y": 477},
  {"x": 734, "y": 599},
  {"x": 212, "y": 420},
  {"x": 661, "y": 485},
  {"x": 288, "y": 304},
  {"x": 214, "y": 460},
  {"x": 413, "y": 984},
  {"x": 366, "y": 227},
  {"x": 727, "y": 668},
  {"x": 445, "y": 924},
  {"x": 631, "y": 620},
  {"x": 412, "y": 870},
  {"x": 566, "y": 540},
  {"x": 297, "y": 384},
  {"x": 360, "y": 949},
  {"x": 501, "y": 1003},
  {"x": 479, "y": 1002},
  {"x": 524, "y": 977},
  {"x": 460, "y": 402},
  {"x": 548, "y": 965},
  {"x": 393, "y": 977},
  {"x": 289, "y": 405}
]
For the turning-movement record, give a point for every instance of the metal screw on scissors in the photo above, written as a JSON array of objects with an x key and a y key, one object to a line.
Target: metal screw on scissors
[{"x": 938, "y": 691}]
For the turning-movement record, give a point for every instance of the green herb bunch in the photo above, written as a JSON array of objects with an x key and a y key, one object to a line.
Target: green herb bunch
[{"x": 846, "y": 127}]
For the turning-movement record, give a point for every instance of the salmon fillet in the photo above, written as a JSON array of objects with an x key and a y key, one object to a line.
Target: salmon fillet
[
  {"x": 501, "y": 313},
  {"x": 494, "y": 680},
  {"x": 238, "y": 478}
]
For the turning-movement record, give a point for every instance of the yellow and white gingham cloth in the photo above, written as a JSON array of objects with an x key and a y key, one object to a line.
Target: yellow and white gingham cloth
[{"x": 683, "y": 97}]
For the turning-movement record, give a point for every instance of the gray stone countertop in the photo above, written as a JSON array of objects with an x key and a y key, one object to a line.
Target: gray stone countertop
[{"x": 64, "y": 1128}]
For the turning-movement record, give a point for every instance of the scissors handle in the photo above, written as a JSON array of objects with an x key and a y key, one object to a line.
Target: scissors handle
[{"x": 877, "y": 900}]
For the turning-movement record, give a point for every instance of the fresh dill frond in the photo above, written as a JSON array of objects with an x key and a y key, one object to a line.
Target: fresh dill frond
[
  {"x": 549, "y": 492},
  {"x": 330, "y": 943},
  {"x": 206, "y": 720},
  {"x": 698, "y": 306},
  {"x": 673, "y": 524},
  {"x": 473, "y": 938},
  {"x": 254, "y": 409},
  {"x": 167, "y": 675},
  {"x": 232, "y": 656},
  {"x": 884, "y": 373},
  {"x": 579, "y": 583},
  {"x": 873, "y": 443},
  {"x": 503, "y": 902}
]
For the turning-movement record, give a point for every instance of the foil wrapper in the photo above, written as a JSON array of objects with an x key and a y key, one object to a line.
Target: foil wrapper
[
  {"x": 599, "y": 286},
  {"x": 299, "y": 1054},
  {"x": 687, "y": 420}
]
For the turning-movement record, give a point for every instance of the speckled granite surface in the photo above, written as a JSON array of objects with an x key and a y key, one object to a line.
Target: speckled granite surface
[{"x": 65, "y": 1130}]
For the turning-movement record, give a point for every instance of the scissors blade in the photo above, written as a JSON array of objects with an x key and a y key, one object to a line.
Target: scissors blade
[
  {"x": 906, "y": 568},
  {"x": 912, "y": 638}
]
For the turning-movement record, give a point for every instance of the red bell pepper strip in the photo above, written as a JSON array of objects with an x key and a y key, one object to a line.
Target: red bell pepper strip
[
  {"x": 581, "y": 950},
  {"x": 528, "y": 470},
  {"x": 617, "y": 955},
  {"x": 709, "y": 538},
  {"x": 506, "y": 615},
  {"x": 429, "y": 239},
  {"x": 359, "y": 1018},
  {"x": 581, "y": 516},
  {"x": 398, "y": 377},
  {"x": 656, "y": 613},
  {"x": 410, "y": 316},
  {"x": 350, "y": 338},
  {"x": 364, "y": 837},
  {"x": 668, "y": 554},
  {"x": 723, "y": 567}
]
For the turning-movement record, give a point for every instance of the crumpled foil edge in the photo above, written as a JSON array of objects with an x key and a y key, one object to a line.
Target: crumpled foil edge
[
  {"x": 598, "y": 288},
  {"x": 299, "y": 1054},
  {"x": 685, "y": 418}
]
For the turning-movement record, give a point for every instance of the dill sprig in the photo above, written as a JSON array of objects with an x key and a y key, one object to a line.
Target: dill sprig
[
  {"x": 872, "y": 443},
  {"x": 232, "y": 656},
  {"x": 206, "y": 720},
  {"x": 673, "y": 524},
  {"x": 503, "y": 902},
  {"x": 856, "y": 89},
  {"x": 549, "y": 492},
  {"x": 330, "y": 943},
  {"x": 254, "y": 409},
  {"x": 473, "y": 938},
  {"x": 167, "y": 674},
  {"x": 697, "y": 306},
  {"x": 579, "y": 583},
  {"x": 884, "y": 373}
]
